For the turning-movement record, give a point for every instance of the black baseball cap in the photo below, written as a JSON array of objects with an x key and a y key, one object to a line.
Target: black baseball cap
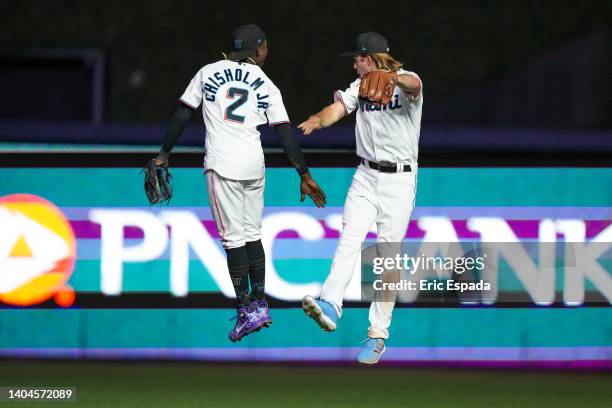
[
  {"x": 368, "y": 43},
  {"x": 245, "y": 41}
]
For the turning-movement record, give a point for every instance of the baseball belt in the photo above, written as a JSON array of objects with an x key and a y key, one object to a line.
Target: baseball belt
[{"x": 387, "y": 167}]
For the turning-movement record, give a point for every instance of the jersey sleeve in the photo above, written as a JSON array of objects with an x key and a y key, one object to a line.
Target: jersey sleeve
[
  {"x": 350, "y": 97},
  {"x": 193, "y": 94},
  {"x": 276, "y": 111}
]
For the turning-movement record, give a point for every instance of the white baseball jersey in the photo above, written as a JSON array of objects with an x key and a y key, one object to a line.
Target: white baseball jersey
[
  {"x": 236, "y": 98},
  {"x": 389, "y": 133}
]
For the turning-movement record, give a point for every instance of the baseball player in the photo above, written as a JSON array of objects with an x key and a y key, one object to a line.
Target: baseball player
[
  {"x": 383, "y": 187},
  {"x": 236, "y": 97}
]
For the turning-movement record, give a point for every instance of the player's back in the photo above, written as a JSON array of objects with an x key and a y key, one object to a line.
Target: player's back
[{"x": 236, "y": 98}]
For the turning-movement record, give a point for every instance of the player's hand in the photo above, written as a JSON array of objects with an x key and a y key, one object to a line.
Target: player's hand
[
  {"x": 162, "y": 159},
  {"x": 310, "y": 125},
  {"x": 310, "y": 187}
]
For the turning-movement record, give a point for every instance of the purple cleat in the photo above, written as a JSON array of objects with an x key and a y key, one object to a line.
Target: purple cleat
[
  {"x": 246, "y": 322},
  {"x": 263, "y": 314}
]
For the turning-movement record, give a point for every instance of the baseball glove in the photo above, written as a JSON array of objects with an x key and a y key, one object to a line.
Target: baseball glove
[
  {"x": 157, "y": 183},
  {"x": 377, "y": 87}
]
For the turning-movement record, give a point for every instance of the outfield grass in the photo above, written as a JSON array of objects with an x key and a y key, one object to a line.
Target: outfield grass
[{"x": 155, "y": 384}]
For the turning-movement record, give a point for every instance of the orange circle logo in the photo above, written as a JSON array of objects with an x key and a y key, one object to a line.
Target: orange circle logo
[{"x": 37, "y": 252}]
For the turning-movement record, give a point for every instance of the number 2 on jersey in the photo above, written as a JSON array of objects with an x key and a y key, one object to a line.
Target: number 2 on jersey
[{"x": 242, "y": 95}]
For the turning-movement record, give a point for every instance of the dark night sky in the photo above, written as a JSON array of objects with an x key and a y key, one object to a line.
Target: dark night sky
[{"x": 450, "y": 44}]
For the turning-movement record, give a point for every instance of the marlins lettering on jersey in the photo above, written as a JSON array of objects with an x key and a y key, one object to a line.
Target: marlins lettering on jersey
[{"x": 394, "y": 104}]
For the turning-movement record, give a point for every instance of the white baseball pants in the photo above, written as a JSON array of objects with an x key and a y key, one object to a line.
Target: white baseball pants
[
  {"x": 237, "y": 208},
  {"x": 386, "y": 199}
]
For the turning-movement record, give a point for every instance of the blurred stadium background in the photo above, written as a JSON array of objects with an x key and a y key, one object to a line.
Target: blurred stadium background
[{"x": 517, "y": 129}]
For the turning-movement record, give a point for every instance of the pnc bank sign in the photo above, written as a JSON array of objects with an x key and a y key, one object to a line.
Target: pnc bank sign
[
  {"x": 189, "y": 235},
  {"x": 38, "y": 251}
]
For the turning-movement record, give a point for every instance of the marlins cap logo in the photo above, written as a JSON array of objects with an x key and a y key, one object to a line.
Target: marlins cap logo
[{"x": 37, "y": 252}]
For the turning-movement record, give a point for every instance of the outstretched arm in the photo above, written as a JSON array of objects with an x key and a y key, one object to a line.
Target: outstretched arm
[
  {"x": 175, "y": 129},
  {"x": 292, "y": 149},
  {"x": 325, "y": 118}
]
